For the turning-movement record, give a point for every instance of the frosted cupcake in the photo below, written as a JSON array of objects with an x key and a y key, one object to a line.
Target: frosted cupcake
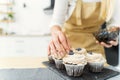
[
  {"x": 51, "y": 60},
  {"x": 95, "y": 61},
  {"x": 74, "y": 63},
  {"x": 58, "y": 61}
]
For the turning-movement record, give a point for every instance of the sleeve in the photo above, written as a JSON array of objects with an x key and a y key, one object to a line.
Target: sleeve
[
  {"x": 60, "y": 11},
  {"x": 115, "y": 20}
]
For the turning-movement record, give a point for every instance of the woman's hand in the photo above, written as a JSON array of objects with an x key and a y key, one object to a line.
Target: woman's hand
[
  {"x": 111, "y": 43},
  {"x": 59, "y": 44}
]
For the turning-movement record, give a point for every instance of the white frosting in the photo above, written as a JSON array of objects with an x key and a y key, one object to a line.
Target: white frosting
[
  {"x": 82, "y": 51},
  {"x": 95, "y": 57},
  {"x": 77, "y": 59}
]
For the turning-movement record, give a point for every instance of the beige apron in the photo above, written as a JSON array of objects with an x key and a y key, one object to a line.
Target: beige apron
[{"x": 84, "y": 21}]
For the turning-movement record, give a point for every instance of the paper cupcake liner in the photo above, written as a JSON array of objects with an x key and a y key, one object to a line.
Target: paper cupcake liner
[
  {"x": 96, "y": 67},
  {"x": 59, "y": 64},
  {"x": 51, "y": 60},
  {"x": 74, "y": 70}
]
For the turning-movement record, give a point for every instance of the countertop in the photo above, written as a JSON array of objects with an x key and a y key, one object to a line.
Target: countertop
[{"x": 29, "y": 68}]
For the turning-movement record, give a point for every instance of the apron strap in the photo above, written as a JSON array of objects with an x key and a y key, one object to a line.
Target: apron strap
[
  {"x": 103, "y": 11},
  {"x": 110, "y": 9},
  {"x": 78, "y": 12},
  {"x": 107, "y": 9}
]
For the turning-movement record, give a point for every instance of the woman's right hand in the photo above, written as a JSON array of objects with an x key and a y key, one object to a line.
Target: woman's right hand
[{"x": 59, "y": 44}]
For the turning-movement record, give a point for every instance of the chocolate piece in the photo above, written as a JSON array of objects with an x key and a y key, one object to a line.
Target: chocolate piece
[{"x": 104, "y": 35}]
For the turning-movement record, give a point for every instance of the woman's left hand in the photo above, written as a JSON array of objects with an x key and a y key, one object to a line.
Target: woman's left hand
[{"x": 112, "y": 43}]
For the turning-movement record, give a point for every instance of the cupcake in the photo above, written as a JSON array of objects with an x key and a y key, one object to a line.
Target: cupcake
[
  {"x": 74, "y": 63},
  {"x": 95, "y": 61},
  {"x": 51, "y": 60},
  {"x": 58, "y": 61}
]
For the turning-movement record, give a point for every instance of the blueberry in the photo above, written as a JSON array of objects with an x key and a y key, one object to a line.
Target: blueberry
[
  {"x": 90, "y": 53},
  {"x": 78, "y": 49},
  {"x": 71, "y": 52}
]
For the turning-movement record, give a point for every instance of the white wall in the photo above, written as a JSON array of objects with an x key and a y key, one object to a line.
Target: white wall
[{"x": 30, "y": 20}]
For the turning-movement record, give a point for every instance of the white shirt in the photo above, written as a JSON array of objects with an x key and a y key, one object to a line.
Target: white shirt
[
  {"x": 63, "y": 10},
  {"x": 115, "y": 20}
]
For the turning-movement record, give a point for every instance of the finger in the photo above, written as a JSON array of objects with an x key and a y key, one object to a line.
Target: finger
[
  {"x": 63, "y": 49},
  {"x": 54, "y": 54},
  {"x": 63, "y": 41},
  {"x": 52, "y": 47},
  {"x": 57, "y": 43},
  {"x": 63, "y": 52},
  {"x": 114, "y": 43},
  {"x": 59, "y": 55},
  {"x": 106, "y": 45},
  {"x": 68, "y": 42}
]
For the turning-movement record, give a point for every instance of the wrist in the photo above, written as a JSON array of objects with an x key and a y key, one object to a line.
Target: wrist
[{"x": 55, "y": 28}]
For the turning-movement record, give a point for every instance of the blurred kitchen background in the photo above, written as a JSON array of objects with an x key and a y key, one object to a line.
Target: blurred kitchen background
[
  {"x": 24, "y": 17},
  {"x": 24, "y": 30},
  {"x": 24, "y": 27}
]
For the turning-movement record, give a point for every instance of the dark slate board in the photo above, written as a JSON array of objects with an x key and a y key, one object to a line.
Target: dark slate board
[
  {"x": 87, "y": 75},
  {"x": 28, "y": 74}
]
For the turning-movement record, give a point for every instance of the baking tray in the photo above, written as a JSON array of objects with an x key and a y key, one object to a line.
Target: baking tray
[
  {"x": 87, "y": 75},
  {"x": 28, "y": 74}
]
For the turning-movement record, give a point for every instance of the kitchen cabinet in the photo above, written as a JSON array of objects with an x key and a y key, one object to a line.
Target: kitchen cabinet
[{"x": 12, "y": 46}]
